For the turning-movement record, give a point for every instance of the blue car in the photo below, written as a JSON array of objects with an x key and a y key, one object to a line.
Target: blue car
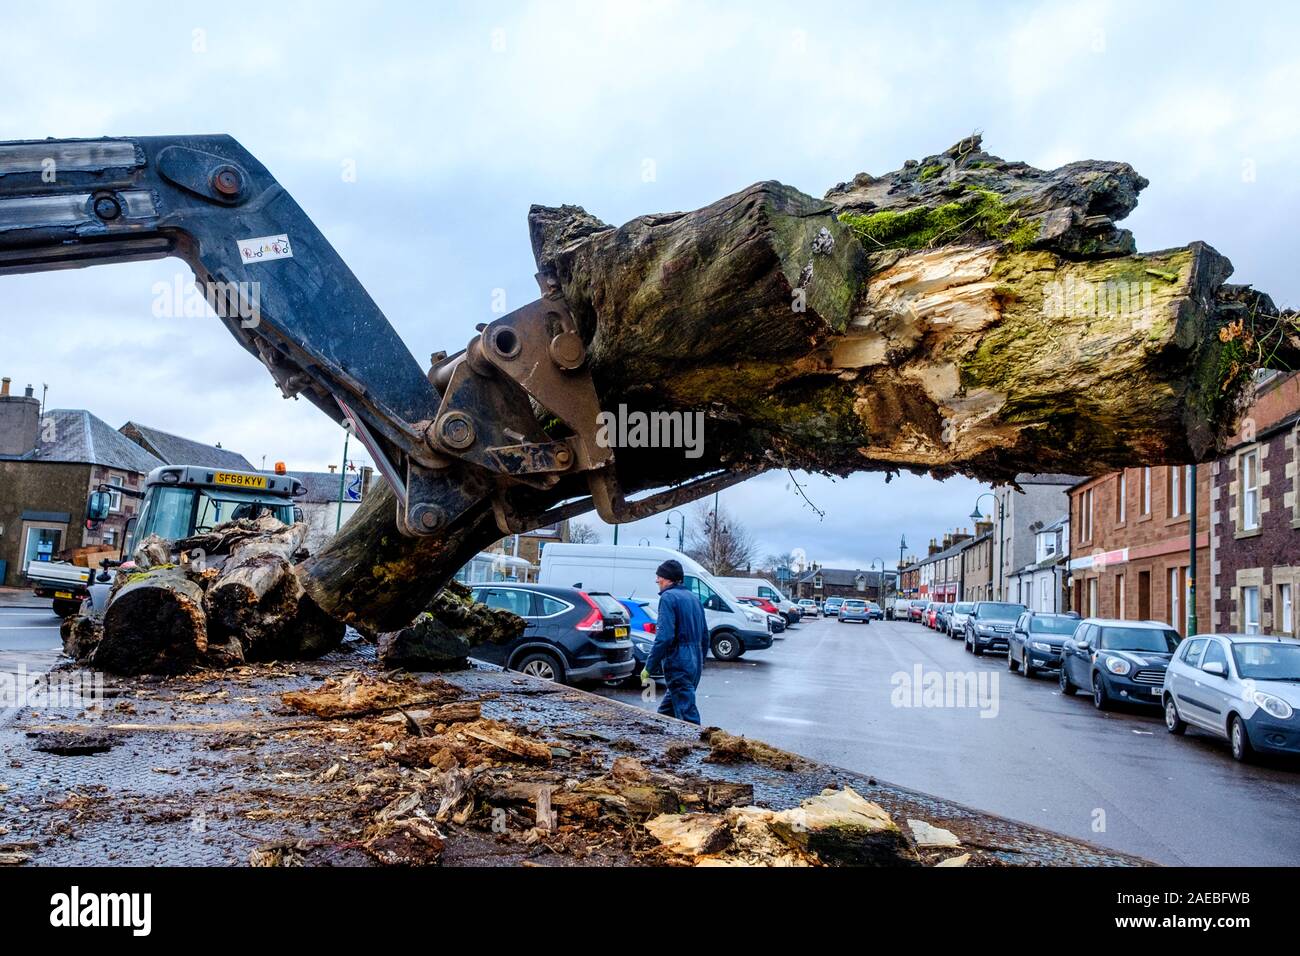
[{"x": 641, "y": 630}]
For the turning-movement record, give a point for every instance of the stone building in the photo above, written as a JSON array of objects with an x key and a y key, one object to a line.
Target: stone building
[
  {"x": 50, "y": 465},
  {"x": 1040, "y": 500},
  {"x": 1255, "y": 520},
  {"x": 821, "y": 583},
  {"x": 1129, "y": 545},
  {"x": 977, "y": 565},
  {"x": 1040, "y": 585}
]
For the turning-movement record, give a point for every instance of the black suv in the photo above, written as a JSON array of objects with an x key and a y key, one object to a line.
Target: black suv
[
  {"x": 571, "y": 636},
  {"x": 988, "y": 628},
  {"x": 1036, "y": 641}
]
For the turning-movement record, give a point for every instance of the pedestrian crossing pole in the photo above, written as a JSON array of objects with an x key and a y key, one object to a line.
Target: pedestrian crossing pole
[{"x": 343, "y": 477}]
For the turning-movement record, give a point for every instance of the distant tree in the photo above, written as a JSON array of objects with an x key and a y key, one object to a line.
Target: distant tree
[
  {"x": 583, "y": 533},
  {"x": 719, "y": 542}
]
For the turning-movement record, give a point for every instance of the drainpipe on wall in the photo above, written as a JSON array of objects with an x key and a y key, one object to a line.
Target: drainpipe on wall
[{"x": 1191, "y": 584}]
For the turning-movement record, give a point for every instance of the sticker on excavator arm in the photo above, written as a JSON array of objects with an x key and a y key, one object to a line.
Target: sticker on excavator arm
[
  {"x": 240, "y": 481},
  {"x": 265, "y": 248}
]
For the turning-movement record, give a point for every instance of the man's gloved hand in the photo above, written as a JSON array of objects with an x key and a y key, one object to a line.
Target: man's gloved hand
[{"x": 645, "y": 677}]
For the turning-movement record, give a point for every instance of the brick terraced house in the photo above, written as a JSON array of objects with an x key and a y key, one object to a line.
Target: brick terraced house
[
  {"x": 1255, "y": 521},
  {"x": 1129, "y": 545}
]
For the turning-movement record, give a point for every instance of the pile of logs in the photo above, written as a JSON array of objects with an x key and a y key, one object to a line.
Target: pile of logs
[
  {"x": 213, "y": 600},
  {"x": 231, "y": 596}
]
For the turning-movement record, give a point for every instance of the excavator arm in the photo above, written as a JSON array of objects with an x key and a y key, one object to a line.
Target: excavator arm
[{"x": 468, "y": 428}]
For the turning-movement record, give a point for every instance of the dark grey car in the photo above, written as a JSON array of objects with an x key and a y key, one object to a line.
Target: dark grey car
[
  {"x": 1036, "y": 639},
  {"x": 571, "y": 635},
  {"x": 988, "y": 628}
]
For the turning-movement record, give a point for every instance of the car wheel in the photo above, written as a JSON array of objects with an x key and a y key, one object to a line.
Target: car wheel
[
  {"x": 1100, "y": 699},
  {"x": 541, "y": 664},
  {"x": 1012, "y": 664},
  {"x": 1067, "y": 685},
  {"x": 1173, "y": 723},
  {"x": 1026, "y": 667},
  {"x": 975, "y": 648},
  {"x": 1240, "y": 740},
  {"x": 65, "y": 608},
  {"x": 727, "y": 646}
]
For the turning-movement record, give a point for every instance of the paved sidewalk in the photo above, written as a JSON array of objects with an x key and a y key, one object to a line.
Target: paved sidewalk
[{"x": 206, "y": 769}]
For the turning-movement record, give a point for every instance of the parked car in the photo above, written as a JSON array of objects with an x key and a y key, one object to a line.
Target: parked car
[
  {"x": 1036, "y": 639},
  {"x": 809, "y": 607},
  {"x": 854, "y": 609},
  {"x": 915, "y": 610},
  {"x": 876, "y": 610},
  {"x": 957, "y": 619},
  {"x": 643, "y": 619},
  {"x": 775, "y": 622},
  {"x": 931, "y": 609},
  {"x": 629, "y": 570},
  {"x": 941, "y": 617},
  {"x": 1245, "y": 688},
  {"x": 832, "y": 606},
  {"x": 571, "y": 635},
  {"x": 988, "y": 627},
  {"x": 762, "y": 587},
  {"x": 1118, "y": 660}
]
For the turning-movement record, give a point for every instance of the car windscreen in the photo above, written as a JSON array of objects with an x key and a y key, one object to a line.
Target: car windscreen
[
  {"x": 1041, "y": 624},
  {"x": 609, "y": 605},
  {"x": 963, "y": 607},
  {"x": 991, "y": 611},
  {"x": 1268, "y": 661},
  {"x": 1138, "y": 639}
]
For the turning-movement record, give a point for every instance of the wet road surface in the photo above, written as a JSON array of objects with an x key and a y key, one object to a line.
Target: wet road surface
[
  {"x": 838, "y": 692},
  {"x": 29, "y": 645}
]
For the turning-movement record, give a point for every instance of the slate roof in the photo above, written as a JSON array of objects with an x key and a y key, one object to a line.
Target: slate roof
[
  {"x": 175, "y": 450},
  {"x": 323, "y": 486},
  {"x": 79, "y": 437}
]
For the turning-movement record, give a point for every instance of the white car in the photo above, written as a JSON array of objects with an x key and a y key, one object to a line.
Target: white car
[{"x": 1244, "y": 688}]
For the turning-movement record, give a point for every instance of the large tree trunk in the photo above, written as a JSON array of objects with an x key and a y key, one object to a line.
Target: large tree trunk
[{"x": 960, "y": 315}]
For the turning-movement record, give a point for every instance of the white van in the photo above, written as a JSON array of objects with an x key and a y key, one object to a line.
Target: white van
[
  {"x": 762, "y": 587},
  {"x": 628, "y": 571}
]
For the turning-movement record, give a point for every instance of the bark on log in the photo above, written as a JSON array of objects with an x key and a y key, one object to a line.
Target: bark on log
[{"x": 943, "y": 318}]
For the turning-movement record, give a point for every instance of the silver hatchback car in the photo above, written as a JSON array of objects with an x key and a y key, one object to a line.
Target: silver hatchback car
[{"x": 1242, "y": 687}]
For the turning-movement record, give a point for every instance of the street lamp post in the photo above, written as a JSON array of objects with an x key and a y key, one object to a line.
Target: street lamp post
[
  {"x": 977, "y": 518},
  {"x": 880, "y": 581},
  {"x": 681, "y": 531},
  {"x": 902, "y": 546}
]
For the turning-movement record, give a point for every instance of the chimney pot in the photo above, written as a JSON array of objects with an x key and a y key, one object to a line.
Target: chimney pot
[
  {"x": 28, "y": 392},
  {"x": 4, "y": 386}
]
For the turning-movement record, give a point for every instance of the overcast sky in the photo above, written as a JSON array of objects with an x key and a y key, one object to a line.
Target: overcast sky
[{"x": 455, "y": 117}]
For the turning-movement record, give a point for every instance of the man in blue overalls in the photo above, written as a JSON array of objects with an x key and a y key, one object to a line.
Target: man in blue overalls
[{"x": 681, "y": 635}]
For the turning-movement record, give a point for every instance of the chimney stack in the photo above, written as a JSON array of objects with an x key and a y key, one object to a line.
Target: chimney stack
[
  {"x": 27, "y": 392},
  {"x": 20, "y": 421}
]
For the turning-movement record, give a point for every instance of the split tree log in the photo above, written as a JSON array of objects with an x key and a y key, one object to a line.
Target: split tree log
[
  {"x": 963, "y": 314},
  {"x": 258, "y": 604}
]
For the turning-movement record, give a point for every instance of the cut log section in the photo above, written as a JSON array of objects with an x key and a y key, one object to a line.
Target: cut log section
[{"x": 154, "y": 625}]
